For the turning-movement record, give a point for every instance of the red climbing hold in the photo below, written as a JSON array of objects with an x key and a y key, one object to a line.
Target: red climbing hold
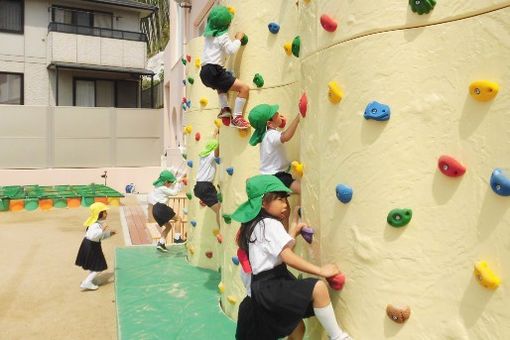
[
  {"x": 336, "y": 282},
  {"x": 219, "y": 238},
  {"x": 303, "y": 104},
  {"x": 225, "y": 121},
  {"x": 449, "y": 166},
  {"x": 197, "y": 136},
  {"x": 188, "y": 58},
  {"x": 328, "y": 23},
  {"x": 208, "y": 254}
]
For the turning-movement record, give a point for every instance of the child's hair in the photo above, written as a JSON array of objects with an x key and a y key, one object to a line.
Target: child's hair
[
  {"x": 101, "y": 215},
  {"x": 247, "y": 228}
]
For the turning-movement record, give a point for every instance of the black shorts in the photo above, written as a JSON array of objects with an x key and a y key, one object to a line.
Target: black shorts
[
  {"x": 206, "y": 192},
  {"x": 162, "y": 213},
  {"x": 285, "y": 177},
  {"x": 217, "y": 78}
]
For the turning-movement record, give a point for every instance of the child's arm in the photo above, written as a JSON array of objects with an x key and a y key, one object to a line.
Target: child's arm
[
  {"x": 231, "y": 46},
  {"x": 174, "y": 190},
  {"x": 289, "y": 133},
  {"x": 297, "y": 262}
]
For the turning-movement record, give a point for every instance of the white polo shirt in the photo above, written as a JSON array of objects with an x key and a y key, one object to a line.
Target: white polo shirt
[
  {"x": 216, "y": 49},
  {"x": 272, "y": 154},
  {"x": 207, "y": 168}
]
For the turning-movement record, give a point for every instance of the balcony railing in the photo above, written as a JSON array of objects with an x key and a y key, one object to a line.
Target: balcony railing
[{"x": 96, "y": 31}]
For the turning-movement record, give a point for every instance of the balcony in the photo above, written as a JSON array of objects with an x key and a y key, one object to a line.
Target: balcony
[{"x": 96, "y": 31}]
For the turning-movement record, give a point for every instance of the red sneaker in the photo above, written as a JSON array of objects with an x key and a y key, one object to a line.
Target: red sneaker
[
  {"x": 240, "y": 123},
  {"x": 225, "y": 113}
]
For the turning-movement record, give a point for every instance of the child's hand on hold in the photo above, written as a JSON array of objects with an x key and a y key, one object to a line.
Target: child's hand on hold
[
  {"x": 329, "y": 270},
  {"x": 239, "y": 35},
  {"x": 295, "y": 229}
]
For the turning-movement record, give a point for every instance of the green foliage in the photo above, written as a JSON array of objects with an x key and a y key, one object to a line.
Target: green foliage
[{"x": 157, "y": 27}]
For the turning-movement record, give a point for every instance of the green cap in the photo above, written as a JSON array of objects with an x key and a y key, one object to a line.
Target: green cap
[
  {"x": 256, "y": 188},
  {"x": 164, "y": 176},
  {"x": 258, "y": 117},
  {"x": 218, "y": 21},
  {"x": 211, "y": 145}
]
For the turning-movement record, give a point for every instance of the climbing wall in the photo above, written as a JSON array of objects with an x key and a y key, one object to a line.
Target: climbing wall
[{"x": 388, "y": 95}]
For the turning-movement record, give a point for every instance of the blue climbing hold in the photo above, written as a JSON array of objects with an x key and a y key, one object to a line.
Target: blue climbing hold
[
  {"x": 193, "y": 223},
  {"x": 500, "y": 183},
  {"x": 343, "y": 193},
  {"x": 184, "y": 82},
  {"x": 235, "y": 260},
  {"x": 377, "y": 111},
  {"x": 190, "y": 163},
  {"x": 188, "y": 103},
  {"x": 230, "y": 171},
  {"x": 273, "y": 27},
  {"x": 217, "y": 160}
]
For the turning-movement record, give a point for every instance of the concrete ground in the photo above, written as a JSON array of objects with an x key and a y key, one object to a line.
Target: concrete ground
[{"x": 40, "y": 295}]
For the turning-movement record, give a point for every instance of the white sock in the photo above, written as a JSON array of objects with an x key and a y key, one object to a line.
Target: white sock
[
  {"x": 162, "y": 240},
  {"x": 223, "y": 99},
  {"x": 326, "y": 317},
  {"x": 177, "y": 236},
  {"x": 91, "y": 277},
  {"x": 239, "y": 106}
]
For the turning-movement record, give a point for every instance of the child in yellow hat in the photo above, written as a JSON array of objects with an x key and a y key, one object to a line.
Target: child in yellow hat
[{"x": 90, "y": 255}]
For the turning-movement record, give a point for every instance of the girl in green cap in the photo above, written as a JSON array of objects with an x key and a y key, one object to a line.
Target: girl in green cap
[
  {"x": 159, "y": 209},
  {"x": 217, "y": 47},
  {"x": 278, "y": 301}
]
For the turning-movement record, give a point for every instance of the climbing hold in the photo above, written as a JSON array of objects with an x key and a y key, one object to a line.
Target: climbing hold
[
  {"x": 230, "y": 170},
  {"x": 225, "y": 121},
  {"x": 399, "y": 217},
  {"x": 232, "y": 299},
  {"x": 258, "y": 80},
  {"x": 193, "y": 223},
  {"x": 185, "y": 211},
  {"x": 307, "y": 234},
  {"x": 273, "y": 27},
  {"x": 188, "y": 104},
  {"x": 244, "y": 132},
  {"x": 187, "y": 129},
  {"x": 398, "y": 314},
  {"x": 422, "y": 6},
  {"x": 297, "y": 168},
  {"x": 235, "y": 260},
  {"x": 183, "y": 61},
  {"x": 343, "y": 193},
  {"x": 219, "y": 238},
  {"x": 217, "y": 160},
  {"x": 184, "y": 181},
  {"x": 198, "y": 62},
  {"x": 188, "y": 58},
  {"x": 283, "y": 123},
  {"x": 335, "y": 93},
  {"x": 296, "y": 46},
  {"x": 336, "y": 282},
  {"x": 209, "y": 254},
  {"x": 189, "y": 195},
  {"x": 500, "y": 184},
  {"x": 221, "y": 287},
  {"x": 185, "y": 156},
  {"x": 244, "y": 40},
  {"x": 184, "y": 107},
  {"x": 227, "y": 218},
  {"x": 328, "y": 23},
  {"x": 243, "y": 260},
  {"x": 191, "y": 80},
  {"x": 191, "y": 249},
  {"x": 190, "y": 163},
  {"x": 303, "y": 105},
  {"x": 483, "y": 90},
  {"x": 184, "y": 82},
  {"x": 232, "y": 10},
  {"x": 486, "y": 276},
  {"x": 215, "y": 231},
  {"x": 220, "y": 197},
  {"x": 217, "y": 122},
  {"x": 197, "y": 136},
  {"x": 288, "y": 48},
  {"x": 203, "y": 101},
  {"x": 377, "y": 111},
  {"x": 183, "y": 100},
  {"x": 449, "y": 166}
]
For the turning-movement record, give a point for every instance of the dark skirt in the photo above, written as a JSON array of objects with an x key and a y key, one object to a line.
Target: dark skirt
[
  {"x": 279, "y": 302},
  {"x": 162, "y": 213},
  {"x": 90, "y": 256},
  {"x": 206, "y": 192}
]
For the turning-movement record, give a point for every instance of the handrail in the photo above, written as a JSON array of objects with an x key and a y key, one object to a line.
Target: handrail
[{"x": 96, "y": 31}]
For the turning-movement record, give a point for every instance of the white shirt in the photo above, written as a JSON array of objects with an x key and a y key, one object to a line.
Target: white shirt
[
  {"x": 96, "y": 233},
  {"x": 216, "y": 49},
  {"x": 207, "y": 168},
  {"x": 162, "y": 193},
  {"x": 272, "y": 154},
  {"x": 270, "y": 238}
]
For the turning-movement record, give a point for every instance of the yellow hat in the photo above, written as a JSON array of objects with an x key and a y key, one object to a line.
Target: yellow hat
[{"x": 95, "y": 210}]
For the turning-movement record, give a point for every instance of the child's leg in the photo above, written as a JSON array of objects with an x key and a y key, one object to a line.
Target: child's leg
[
  {"x": 87, "y": 283},
  {"x": 216, "y": 208},
  {"x": 324, "y": 312},
  {"x": 296, "y": 186},
  {"x": 243, "y": 92},
  {"x": 298, "y": 333},
  {"x": 223, "y": 99}
]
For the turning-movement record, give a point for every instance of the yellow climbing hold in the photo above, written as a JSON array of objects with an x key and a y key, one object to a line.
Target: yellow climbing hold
[
  {"x": 297, "y": 168},
  {"x": 187, "y": 129},
  {"x": 486, "y": 276},
  {"x": 244, "y": 132},
  {"x": 198, "y": 62},
  {"x": 215, "y": 231},
  {"x": 232, "y": 10},
  {"x": 221, "y": 287},
  {"x": 335, "y": 93},
  {"x": 203, "y": 101},
  {"x": 232, "y": 299},
  {"x": 191, "y": 249},
  {"x": 217, "y": 122},
  {"x": 288, "y": 48},
  {"x": 483, "y": 90}
]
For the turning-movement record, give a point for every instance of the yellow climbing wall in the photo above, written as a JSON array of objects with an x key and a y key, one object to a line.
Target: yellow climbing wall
[{"x": 421, "y": 66}]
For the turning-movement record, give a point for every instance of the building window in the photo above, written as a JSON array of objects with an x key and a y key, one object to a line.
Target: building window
[
  {"x": 11, "y": 88},
  {"x": 105, "y": 93},
  {"x": 11, "y": 16},
  {"x": 82, "y": 18}
]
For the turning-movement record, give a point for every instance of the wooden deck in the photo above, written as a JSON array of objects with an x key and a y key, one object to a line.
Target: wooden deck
[{"x": 136, "y": 221}]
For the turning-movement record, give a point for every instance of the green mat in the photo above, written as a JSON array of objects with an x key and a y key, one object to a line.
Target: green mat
[{"x": 161, "y": 296}]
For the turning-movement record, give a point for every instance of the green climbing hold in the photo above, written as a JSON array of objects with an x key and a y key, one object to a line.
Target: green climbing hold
[
  {"x": 183, "y": 61},
  {"x": 227, "y": 218},
  {"x": 296, "y": 46},
  {"x": 191, "y": 80},
  {"x": 258, "y": 80},
  {"x": 399, "y": 217},
  {"x": 189, "y": 195},
  {"x": 244, "y": 40},
  {"x": 422, "y": 6},
  {"x": 220, "y": 197}
]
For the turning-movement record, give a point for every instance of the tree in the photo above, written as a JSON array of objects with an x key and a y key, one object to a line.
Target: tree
[{"x": 156, "y": 26}]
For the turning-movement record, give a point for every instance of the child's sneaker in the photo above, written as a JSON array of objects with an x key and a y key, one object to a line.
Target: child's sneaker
[
  {"x": 162, "y": 247},
  {"x": 179, "y": 241},
  {"x": 240, "y": 123},
  {"x": 225, "y": 113},
  {"x": 88, "y": 285}
]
